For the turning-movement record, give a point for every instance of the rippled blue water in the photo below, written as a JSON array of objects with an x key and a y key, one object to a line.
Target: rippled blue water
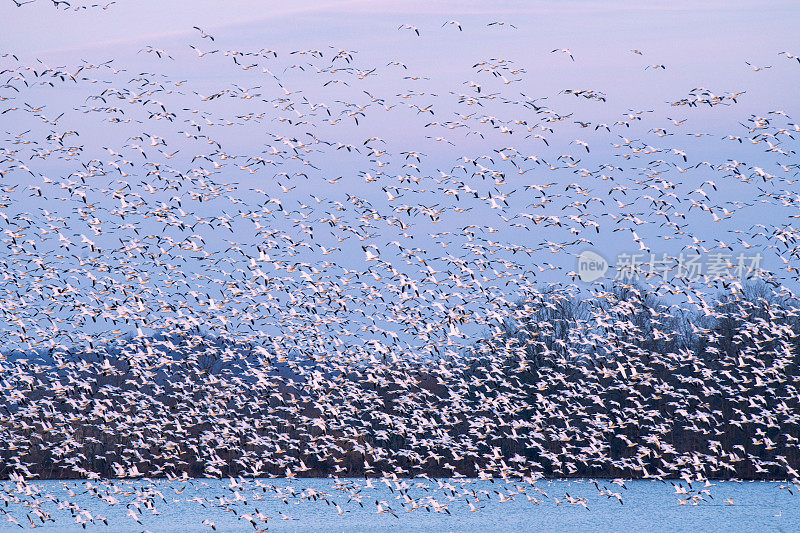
[{"x": 648, "y": 506}]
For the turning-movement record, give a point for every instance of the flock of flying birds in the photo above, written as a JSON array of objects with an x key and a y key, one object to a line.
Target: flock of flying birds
[{"x": 296, "y": 273}]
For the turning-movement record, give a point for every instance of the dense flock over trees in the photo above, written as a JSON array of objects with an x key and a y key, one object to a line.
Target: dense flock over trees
[{"x": 617, "y": 385}]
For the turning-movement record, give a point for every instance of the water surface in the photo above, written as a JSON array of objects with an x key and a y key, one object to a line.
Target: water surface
[{"x": 310, "y": 505}]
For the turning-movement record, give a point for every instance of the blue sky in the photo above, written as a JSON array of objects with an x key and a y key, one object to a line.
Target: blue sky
[{"x": 704, "y": 44}]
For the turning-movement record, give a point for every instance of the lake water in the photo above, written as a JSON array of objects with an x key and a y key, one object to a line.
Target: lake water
[{"x": 299, "y": 505}]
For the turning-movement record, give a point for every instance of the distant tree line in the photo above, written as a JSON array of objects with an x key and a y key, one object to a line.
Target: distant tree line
[{"x": 622, "y": 384}]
